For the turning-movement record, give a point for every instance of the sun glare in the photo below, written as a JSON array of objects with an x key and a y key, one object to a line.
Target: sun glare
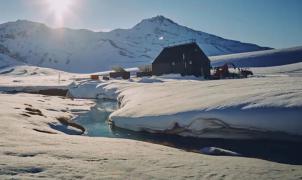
[{"x": 59, "y": 8}]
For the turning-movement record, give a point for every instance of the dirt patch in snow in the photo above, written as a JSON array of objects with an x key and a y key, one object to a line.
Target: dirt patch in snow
[
  {"x": 68, "y": 122},
  {"x": 33, "y": 111}
]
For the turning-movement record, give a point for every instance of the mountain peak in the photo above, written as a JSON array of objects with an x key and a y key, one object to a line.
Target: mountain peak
[{"x": 157, "y": 20}]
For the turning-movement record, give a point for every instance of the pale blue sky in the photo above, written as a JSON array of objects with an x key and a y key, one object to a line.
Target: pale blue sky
[{"x": 274, "y": 23}]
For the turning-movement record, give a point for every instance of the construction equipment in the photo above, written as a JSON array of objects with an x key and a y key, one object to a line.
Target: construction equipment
[
  {"x": 119, "y": 72},
  {"x": 222, "y": 72},
  {"x": 94, "y": 77}
]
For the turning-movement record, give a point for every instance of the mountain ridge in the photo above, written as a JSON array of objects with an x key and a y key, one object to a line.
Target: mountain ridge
[{"x": 82, "y": 50}]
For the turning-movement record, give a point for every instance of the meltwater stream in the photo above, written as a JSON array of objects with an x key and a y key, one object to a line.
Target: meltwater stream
[{"x": 96, "y": 125}]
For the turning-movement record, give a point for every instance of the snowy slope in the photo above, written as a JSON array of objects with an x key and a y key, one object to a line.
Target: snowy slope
[
  {"x": 33, "y": 79},
  {"x": 275, "y": 57},
  {"x": 267, "y": 106},
  {"x": 35, "y": 147},
  {"x": 6, "y": 61},
  {"x": 289, "y": 69},
  {"x": 87, "y": 51}
]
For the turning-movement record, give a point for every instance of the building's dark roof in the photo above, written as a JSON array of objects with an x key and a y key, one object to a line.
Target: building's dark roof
[{"x": 175, "y": 53}]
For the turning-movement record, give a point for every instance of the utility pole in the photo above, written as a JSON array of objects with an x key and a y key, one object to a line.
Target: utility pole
[{"x": 59, "y": 78}]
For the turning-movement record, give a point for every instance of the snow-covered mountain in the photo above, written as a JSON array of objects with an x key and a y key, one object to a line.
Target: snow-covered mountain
[
  {"x": 274, "y": 57},
  {"x": 87, "y": 51}
]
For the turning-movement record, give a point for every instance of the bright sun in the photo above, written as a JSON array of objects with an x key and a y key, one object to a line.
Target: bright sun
[{"x": 59, "y": 7}]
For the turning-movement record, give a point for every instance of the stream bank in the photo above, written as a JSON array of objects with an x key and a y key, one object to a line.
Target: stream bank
[{"x": 97, "y": 124}]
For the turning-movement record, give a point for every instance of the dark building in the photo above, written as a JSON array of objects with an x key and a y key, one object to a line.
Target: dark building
[
  {"x": 184, "y": 59},
  {"x": 124, "y": 75}
]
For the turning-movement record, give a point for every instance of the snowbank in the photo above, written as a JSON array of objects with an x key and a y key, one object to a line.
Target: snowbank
[
  {"x": 266, "y": 107},
  {"x": 33, "y": 79},
  {"x": 34, "y": 143},
  {"x": 31, "y": 149},
  {"x": 213, "y": 108}
]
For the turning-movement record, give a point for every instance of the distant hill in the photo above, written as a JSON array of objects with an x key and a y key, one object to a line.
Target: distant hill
[{"x": 275, "y": 57}]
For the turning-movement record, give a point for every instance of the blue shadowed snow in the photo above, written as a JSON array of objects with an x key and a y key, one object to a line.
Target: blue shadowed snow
[{"x": 96, "y": 125}]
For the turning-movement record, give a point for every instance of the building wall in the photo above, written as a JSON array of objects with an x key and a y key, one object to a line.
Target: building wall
[
  {"x": 185, "y": 59},
  {"x": 206, "y": 65},
  {"x": 161, "y": 68},
  {"x": 198, "y": 67}
]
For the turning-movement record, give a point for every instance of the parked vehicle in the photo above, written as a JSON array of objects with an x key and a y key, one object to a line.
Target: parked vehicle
[{"x": 223, "y": 72}]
